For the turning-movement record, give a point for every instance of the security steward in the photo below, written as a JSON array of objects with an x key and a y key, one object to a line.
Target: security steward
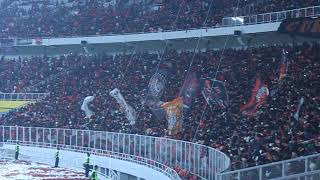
[
  {"x": 56, "y": 164},
  {"x": 16, "y": 157},
  {"x": 87, "y": 165},
  {"x": 94, "y": 175}
]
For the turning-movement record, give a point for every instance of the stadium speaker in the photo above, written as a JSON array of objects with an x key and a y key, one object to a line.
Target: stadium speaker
[
  {"x": 84, "y": 42},
  {"x": 237, "y": 32}
]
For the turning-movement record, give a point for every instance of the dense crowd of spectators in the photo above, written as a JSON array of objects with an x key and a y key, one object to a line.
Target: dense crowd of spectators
[
  {"x": 18, "y": 74},
  {"x": 90, "y": 17},
  {"x": 272, "y": 135}
]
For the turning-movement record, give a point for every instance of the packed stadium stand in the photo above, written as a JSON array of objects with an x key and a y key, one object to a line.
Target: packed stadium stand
[
  {"x": 73, "y": 18},
  {"x": 274, "y": 123},
  {"x": 266, "y": 110}
]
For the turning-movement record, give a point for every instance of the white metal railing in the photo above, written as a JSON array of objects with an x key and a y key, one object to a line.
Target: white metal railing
[
  {"x": 113, "y": 175},
  {"x": 161, "y": 154},
  {"x": 280, "y": 170},
  {"x": 271, "y": 17},
  {"x": 313, "y": 175},
  {"x": 23, "y": 96}
]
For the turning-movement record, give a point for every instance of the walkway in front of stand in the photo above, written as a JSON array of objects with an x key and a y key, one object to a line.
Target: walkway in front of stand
[{"x": 25, "y": 170}]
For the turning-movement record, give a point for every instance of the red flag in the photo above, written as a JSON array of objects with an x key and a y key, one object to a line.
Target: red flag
[{"x": 258, "y": 98}]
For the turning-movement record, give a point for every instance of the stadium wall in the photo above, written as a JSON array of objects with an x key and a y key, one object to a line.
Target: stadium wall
[{"x": 160, "y": 36}]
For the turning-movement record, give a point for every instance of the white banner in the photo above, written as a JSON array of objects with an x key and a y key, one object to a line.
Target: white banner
[
  {"x": 85, "y": 106},
  {"x": 128, "y": 110}
]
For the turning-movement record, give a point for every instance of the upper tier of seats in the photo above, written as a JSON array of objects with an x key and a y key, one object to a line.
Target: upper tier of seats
[{"x": 80, "y": 18}]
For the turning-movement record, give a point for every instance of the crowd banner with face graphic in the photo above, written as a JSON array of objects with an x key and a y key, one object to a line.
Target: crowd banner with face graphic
[
  {"x": 85, "y": 106},
  {"x": 174, "y": 115},
  {"x": 215, "y": 94},
  {"x": 189, "y": 89},
  {"x": 130, "y": 113}
]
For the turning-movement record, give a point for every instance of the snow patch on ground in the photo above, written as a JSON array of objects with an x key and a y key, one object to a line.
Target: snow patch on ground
[{"x": 26, "y": 170}]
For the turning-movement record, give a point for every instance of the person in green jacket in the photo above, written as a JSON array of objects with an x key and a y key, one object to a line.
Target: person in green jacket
[
  {"x": 16, "y": 157},
  {"x": 56, "y": 164},
  {"x": 94, "y": 175}
]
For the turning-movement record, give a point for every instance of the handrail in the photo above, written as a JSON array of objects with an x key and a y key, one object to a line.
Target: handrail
[
  {"x": 113, "y": 175},
  {"x": 271, "y": 16},
  {"x": 274, "y": 163},
  {"x": 283, "y": 166},
  {"x": 299, "y": 176},
  {"x": 23, "y": 96},
  {"x": 154, "y": 152}
]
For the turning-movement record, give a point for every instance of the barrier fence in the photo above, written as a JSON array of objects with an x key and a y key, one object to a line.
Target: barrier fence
[
  {"x": 308, "y": 166},
  {"x": 161, "y": 154},
  {"x": 22, "y": 96},
  {"x": 271, "y": 17}
]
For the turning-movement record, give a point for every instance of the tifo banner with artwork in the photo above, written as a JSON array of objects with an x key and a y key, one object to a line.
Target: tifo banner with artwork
[
  {"x": 156, "y": 88},
  {"x": 154, "y": 104},
  {"x": 305, "y": 26},
  {"x": 130, "y": 113},
  {"x": 215, "y": 93},
  {"x": 157, "y": 83},
  {"x": 258, "y": 98},
  {"x": 85, "y": 106},
  {"x": 174, "y": 115},
  {"x": 189, "y": 89}
]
